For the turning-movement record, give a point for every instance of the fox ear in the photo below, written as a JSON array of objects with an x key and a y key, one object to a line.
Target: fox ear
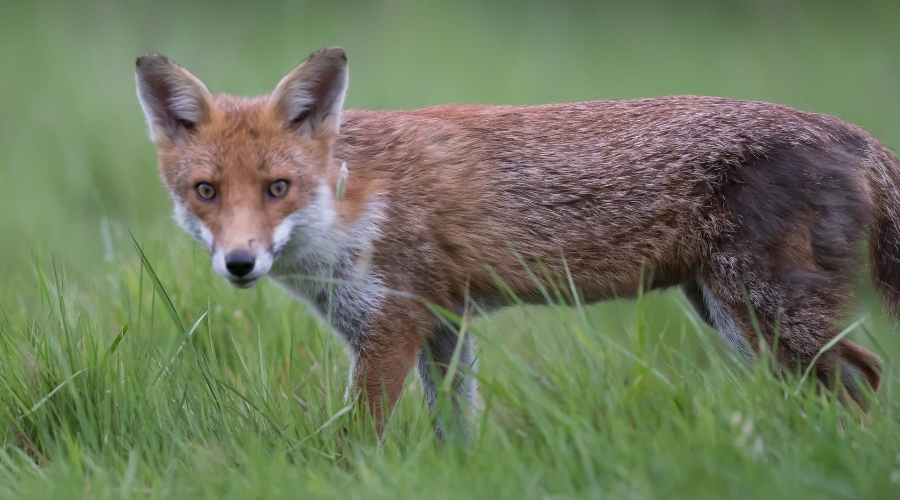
[
  {"x": 175, "y": 102},
  {"x": 310, "y": 98}
]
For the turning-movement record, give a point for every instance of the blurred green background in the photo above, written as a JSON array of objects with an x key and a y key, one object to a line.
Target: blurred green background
[
  {"x": 73, "y": 147},
  {"x": 632, "y": 399}
]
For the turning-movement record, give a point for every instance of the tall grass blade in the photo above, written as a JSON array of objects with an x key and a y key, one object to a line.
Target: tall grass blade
[{"x": 157, "y": 284}]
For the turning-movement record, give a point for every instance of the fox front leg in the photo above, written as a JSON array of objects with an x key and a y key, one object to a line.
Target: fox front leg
[
  {"x": 435, "y": 360},
  {"x": 382, "y": 360}
]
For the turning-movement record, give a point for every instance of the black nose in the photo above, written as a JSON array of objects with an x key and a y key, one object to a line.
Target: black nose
[{"x": 239, "y": 262}]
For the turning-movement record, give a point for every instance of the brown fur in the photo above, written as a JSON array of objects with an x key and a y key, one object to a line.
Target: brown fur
[
  {"x": 611, "y": 188},
  {"x": 735, "y": 201}
]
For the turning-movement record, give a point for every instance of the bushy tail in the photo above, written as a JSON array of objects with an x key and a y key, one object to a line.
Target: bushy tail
[{"x": 884, "y": 240}]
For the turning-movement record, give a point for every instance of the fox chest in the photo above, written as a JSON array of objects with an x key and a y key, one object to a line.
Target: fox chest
[{"x": 344, "y": 301}]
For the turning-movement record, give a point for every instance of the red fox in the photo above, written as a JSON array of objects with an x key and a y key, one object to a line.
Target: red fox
[{"x": 755, "y": 210}]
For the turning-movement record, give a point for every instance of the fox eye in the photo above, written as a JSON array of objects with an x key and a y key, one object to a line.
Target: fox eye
[
  {"x": 279, "y": 188},
  {"x": 205, "y": 191}
]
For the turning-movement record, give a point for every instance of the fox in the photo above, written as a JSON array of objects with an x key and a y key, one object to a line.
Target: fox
[{"x": 376, "y": 219}]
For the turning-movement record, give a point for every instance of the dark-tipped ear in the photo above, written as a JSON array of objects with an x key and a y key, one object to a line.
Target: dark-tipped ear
[
  {"x": 175, "y": 102},
  {"x": 310, "y": 98}
]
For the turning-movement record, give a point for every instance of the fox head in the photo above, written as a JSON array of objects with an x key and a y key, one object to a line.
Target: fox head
[{"x": 240, "y": 170}]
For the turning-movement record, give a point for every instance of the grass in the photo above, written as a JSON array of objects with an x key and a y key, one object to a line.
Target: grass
[
  {"x": 123, "y": 376},
  {"x": 111, "y": 391}
]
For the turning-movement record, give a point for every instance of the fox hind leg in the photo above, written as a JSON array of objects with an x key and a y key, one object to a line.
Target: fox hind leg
[
  {"x": 781, "y": 273},
  {"x": 794, "y": 314}
]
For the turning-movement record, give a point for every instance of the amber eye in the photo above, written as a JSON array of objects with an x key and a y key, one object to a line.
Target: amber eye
[
  {"x": 205, "y": 191},
  {"x": 279, "y": 188}
]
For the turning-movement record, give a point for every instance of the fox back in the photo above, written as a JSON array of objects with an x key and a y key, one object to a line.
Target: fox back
[{"x": 374, "y": 217}]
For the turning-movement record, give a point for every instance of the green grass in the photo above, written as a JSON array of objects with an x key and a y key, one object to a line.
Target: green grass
[{"x": 107, "y": 389}]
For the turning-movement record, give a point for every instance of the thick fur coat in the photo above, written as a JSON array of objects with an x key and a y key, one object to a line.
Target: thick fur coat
[{"x": 736, "y": 202}]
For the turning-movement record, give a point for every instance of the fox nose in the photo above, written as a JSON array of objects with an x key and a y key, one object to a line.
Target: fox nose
[{"x": 239, "y": 262}]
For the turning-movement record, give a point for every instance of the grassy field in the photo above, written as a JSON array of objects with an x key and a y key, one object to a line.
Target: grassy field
[{"x": 111, "y": 388}]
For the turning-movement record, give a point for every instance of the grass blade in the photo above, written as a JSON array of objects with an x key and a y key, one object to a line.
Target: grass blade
[{"x": 157, "y": 284}]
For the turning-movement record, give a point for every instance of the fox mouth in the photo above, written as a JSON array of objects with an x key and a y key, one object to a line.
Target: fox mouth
[{"x": 242, "y": 282}]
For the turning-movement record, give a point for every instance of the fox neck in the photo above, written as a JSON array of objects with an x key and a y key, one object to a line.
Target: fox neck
[{"x": 324, "y": 260}]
